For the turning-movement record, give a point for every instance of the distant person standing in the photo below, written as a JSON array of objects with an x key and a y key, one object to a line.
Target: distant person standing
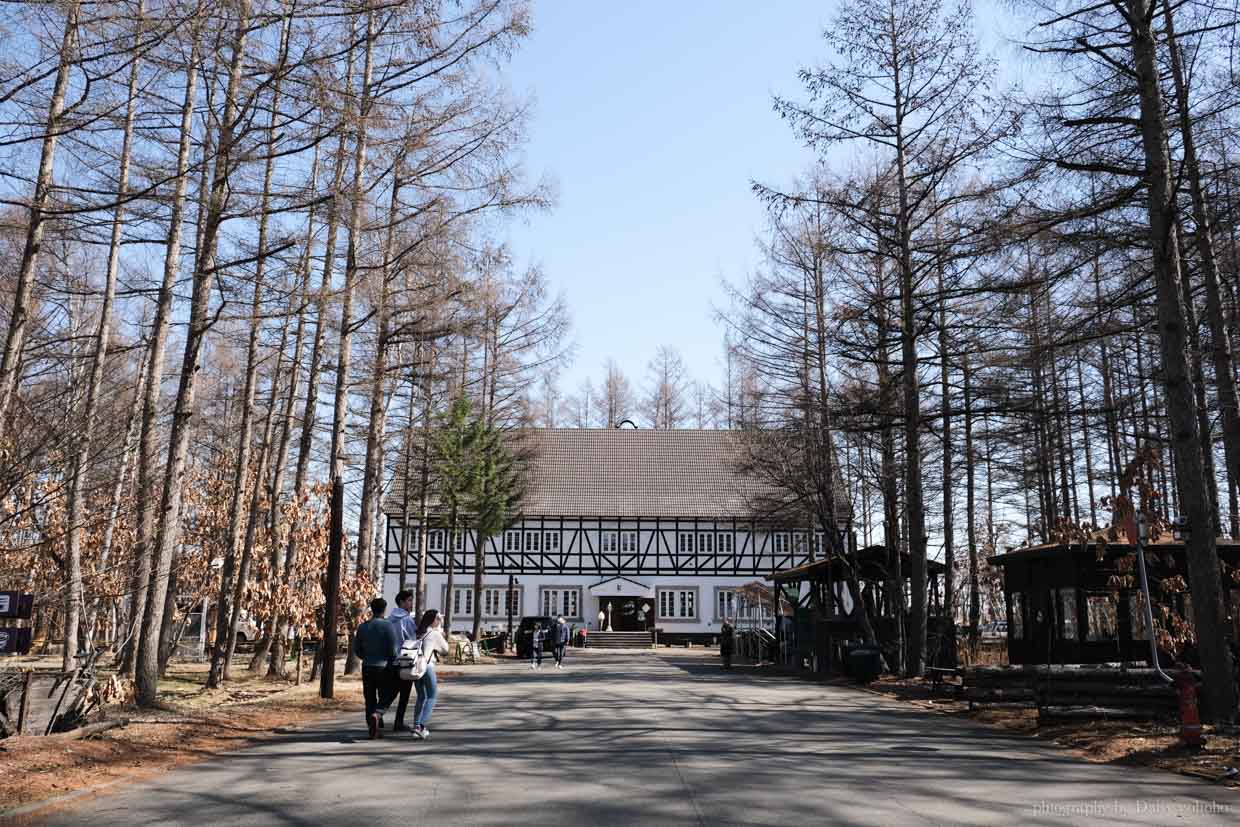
[
  {"x": 375, "y": 643},
  {"x": 727, "y": 641},
  {"x": 536, "y": 646},
  {"x": 406, "y": 627},
  {"x": 560, "y": 634},
  {"x": 434, "y": 644}
]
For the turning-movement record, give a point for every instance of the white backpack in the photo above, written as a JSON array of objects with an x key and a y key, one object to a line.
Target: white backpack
[{"x": 412, "y": 659}]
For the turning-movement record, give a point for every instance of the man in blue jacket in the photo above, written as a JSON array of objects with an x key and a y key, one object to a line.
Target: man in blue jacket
[
  {"x": 559, "y": 640},
  {"x": 406, "y": 626},
  {"x": 375, "y": 643}
]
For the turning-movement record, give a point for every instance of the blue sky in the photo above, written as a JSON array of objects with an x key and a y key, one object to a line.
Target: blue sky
[{"x": 652, "y": 118}]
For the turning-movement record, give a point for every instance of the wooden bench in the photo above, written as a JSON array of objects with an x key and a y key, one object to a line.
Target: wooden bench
[{"x": 939, "y": 679}]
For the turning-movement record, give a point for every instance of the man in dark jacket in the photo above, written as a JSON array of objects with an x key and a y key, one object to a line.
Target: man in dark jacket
[
  {"x": 375, "y": 643},
  {"x": 559, "y": 640},
  {"x": 727, "y": 640}
]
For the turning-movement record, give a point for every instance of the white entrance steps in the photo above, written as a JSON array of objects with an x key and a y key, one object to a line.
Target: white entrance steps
[{"x": 619, "y": 640}]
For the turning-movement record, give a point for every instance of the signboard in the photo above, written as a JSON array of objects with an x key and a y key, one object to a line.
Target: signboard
[
  {"x": 16, "y": 605},
  {"x": 14, "y": 641}
]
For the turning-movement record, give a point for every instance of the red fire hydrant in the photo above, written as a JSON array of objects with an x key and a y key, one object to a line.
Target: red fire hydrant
[{"x": 1190, "y": 721}]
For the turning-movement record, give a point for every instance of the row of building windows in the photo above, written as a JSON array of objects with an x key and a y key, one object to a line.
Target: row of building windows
[
  {"x": 674, "y": 603},
  {"x": 625, "y": 542}
]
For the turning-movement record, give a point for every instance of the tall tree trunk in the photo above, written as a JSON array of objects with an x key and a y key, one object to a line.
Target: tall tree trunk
[
  {"x": 168, "y": 530},
  {"x": 970, "y": 503},
  {"x": 233, "y": 589},
  {"x": 948, "y": 626},
  {"x": 147, "y": 451},
  {"x": 340, "y": 413},
  {"x": 372, "y": 474},
  {"x": 1220, "y": 351},
  {"x": 1203, "y": 564},
  {"x": 37, "y": 222},
  {"x": 81, "y": 455}
]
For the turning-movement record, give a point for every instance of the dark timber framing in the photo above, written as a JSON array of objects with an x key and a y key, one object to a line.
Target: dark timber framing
[{"x": 580, "y": 548}]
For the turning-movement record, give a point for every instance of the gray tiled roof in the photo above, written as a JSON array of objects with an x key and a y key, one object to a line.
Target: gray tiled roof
[
  {"x": 631, "y": 473},
  {"x": 605, "y": 472}
]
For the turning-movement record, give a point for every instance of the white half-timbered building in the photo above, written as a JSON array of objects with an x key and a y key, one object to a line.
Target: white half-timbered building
[{"x": 656, "y": 529}]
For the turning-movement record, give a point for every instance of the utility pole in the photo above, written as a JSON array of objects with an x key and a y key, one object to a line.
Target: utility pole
[{"x": 327, "y": 678}]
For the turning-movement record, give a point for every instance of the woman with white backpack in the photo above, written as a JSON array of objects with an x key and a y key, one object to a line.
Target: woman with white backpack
[{"x": 432, "y": 644}]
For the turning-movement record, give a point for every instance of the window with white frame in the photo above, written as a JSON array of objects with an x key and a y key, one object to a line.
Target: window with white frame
[
  {"x": 512, "y": 540},
  {"x": 779, "y": 542},
  {"x": 608, "y": 542},
  {"x": 463, "y": 600},
  {"x": 566, "y": 602},
  {"x": 434, "y": 541},
  {"x": 458, "y": 540},
  {"x": 684, "y": 543},
  {"x": 706, "y": 542},
  {"x": 495, "y": 602},
  {"x": 628, "y": 542},
  {"x": 725, "y": 604},
  {"x": 725, "y": 543},
  {"x": 678, "y": 604},
  {"x": 532, "y": 540},
  {"x": 551, "y": 540}
]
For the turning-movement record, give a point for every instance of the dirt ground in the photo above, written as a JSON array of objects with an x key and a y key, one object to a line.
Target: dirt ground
[
  {"x": 1138, "y": 743},
  {"x": 193, "y": 723}
]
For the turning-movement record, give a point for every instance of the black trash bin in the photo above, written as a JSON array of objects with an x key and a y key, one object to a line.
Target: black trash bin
[{"x": 864, "y": 662}]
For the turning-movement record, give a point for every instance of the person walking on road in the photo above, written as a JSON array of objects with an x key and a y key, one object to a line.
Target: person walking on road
[
  {"x": 536, "y": 646},
  {"x": 374, "y": 643},
  {"x": 430, "y": 632},
  {"x": 406, "y": 629},
  {"x": 727, "y": 640},
  {"x": 559, "y": 640}
]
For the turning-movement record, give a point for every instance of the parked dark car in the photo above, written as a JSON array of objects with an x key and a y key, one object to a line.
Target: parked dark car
[{"x": 525, "y": 635}]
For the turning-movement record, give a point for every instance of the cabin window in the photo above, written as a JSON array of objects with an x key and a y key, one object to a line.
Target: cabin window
[
  {"x": 1016, "y": 626},
  {"x": 1103, "y": 624},
  {"x": 678, "y": 604},
  {"x": 1067, "y": 614},
  {"x": 1136, "y": 615}
]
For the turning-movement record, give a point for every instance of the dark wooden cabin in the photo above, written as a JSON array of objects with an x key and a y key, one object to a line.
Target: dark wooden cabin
[{"x": 1078, "y": 603}]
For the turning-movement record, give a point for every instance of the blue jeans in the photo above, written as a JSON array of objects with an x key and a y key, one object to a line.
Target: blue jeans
[{"x": 427, "y": 687}]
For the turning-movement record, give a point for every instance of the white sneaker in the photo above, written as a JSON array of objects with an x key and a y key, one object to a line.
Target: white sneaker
[
  {"x": 559, "y": 666},
  {"x": 531, "y": 666}
]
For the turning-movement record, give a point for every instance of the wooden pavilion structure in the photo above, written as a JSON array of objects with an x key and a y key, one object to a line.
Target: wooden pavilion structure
[{"x": 826, "y": 615}]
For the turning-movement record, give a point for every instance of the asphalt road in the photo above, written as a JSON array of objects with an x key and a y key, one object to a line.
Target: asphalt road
[{"x": 652, "y": 740}]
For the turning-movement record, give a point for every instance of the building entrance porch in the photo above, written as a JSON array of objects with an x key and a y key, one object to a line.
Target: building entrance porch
[{"x": 627, "y": 614}]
